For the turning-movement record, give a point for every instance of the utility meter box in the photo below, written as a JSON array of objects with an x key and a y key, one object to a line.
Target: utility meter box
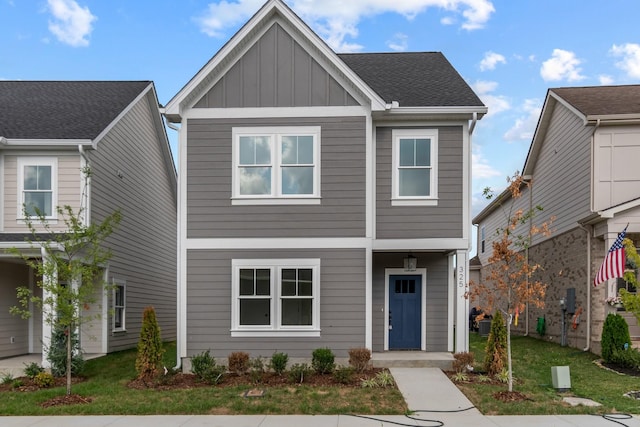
[{"x": 561, "y": 378}]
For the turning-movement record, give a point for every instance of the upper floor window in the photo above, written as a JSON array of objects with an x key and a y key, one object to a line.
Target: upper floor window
[
  {"x": 276, "y": 165},
  {"x": 37, "y": 186},
  {"x": 415, "y": 172},
  {"x": 482, "y": 238}
]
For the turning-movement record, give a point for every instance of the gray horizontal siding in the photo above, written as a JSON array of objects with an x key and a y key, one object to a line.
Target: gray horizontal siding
[
  {"x": 412, "y": 222},
  {"x": 436, "y": 328},
  {"x": 144, "y": 245},
  {"x": 209, "y": 184},
  {"x": 342, "y": 293},
  {"x": 276, "y": 72}
]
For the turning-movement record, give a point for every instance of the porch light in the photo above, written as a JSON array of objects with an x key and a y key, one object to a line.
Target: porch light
[{"x": 410, "y": 263}]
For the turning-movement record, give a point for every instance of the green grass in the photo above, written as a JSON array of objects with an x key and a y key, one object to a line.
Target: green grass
[
  {"x": 107, "y": 379},
  {"x": 532, "y": 362}
]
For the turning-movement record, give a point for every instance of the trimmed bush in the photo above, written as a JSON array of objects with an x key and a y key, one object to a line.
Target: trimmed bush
[
  {"x": 461, "y": 361},
  {"x": 43, "y": 379},
  {"x": 343, "y": 374},
  {"x": 359, "y": 358},
  {"x": 629, "y": 358},
  {"x": 298, "y": 372},
  {"x": 204, "y": 366},
  {"x": 496, "y": 350},
  {"x": 32, "y": 369},
  {"x": 279, "y": 362},
  {"x": 149, "y": 357},
  {"x": 615, "y": 334},
  {"x": 239, "y": 362},
  {"x": 257, "y": 368},
  {"x": 322, "y": 360}
]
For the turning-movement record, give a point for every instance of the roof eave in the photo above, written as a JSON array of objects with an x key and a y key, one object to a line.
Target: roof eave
[
  {"x": 613, "y": 119},
  {"x": 454, "y": 112},
  {"x": 44, "y": 143}
]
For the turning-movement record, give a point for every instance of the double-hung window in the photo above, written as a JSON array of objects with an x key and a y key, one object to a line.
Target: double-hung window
[
  {"x": 119, "y": 304},
  {"x": 276, "y": 297},
  {"x": 276, "y": 165},
  {"x": 37, "y": 186},
  {"x": 415, "y": 169}
]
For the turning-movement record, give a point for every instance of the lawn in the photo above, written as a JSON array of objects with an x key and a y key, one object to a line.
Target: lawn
[
  {"x": 107, "y": 379},
  {"x": 532, "y": 362}
]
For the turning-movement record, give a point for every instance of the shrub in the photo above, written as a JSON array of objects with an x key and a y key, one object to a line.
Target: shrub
[
  {"x": 359, "y": 358},
  {"x": 322, "y": 361},
  {"x": 503, "y": 376},
  {"x": 57, "y": 354},
  {"x": 149, "y": 357},
  {"x": 6, "y": 378},
  {"x": 16, "y": 383},
  {"x": 239, "y": 362},
  {"x": 204, "y": 366},
  {"x": 343, "y": 374},
  {"x": 43, "y": 379},
  {"x": 257, "y": 369},
  {"x": 628, "y": 358},
  {"x": 615, "y": 334},
  {"x": 32, "y": 369},
  {"x": 298, "y": 371},
  {"x": 496, "y": 350},
  {"x": 461, "y": 361},
  {"x": 279, "y": 362},
  {"x": 385, "y": 379},
  {"x": 460, "y": 377},
  {"x": 368, "y": 383}
]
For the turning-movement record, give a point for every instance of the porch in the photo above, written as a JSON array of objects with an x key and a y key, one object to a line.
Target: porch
[
  {"x": 14, "y": 366},
  {"x": 412, "y": 359}
]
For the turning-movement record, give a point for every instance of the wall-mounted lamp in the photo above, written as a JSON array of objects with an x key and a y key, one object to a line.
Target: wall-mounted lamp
[{"x": 410, "y": 263}]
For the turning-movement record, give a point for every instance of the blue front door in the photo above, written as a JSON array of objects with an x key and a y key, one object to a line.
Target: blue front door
[{"x": 405, "y": 312}]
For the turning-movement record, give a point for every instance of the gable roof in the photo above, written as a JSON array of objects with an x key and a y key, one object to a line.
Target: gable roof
[
  {"x": 602, "y": 100},
  {"x": 413, "y": 79},
  {"x": 63, "y": 109}
]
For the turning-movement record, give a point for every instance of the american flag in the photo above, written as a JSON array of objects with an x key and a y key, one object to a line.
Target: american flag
[{"x": 613, "y": 264}]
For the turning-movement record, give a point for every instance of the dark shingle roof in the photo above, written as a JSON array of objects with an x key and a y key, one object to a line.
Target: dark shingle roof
[
  {"x": 62, "y": 109},
  {"x": 602, "y": 100},
  {"x": 414, "y": 79}
]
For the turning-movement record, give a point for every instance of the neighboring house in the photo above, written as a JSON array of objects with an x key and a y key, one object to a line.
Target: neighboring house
[
  {"x": 582, "y": 166},
  {"x": 308, "y": 180},
  {"x": 52, "y": 130}
]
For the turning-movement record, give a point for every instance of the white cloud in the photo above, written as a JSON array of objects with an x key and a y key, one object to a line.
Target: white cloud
[
  {"x": 336, "y": 20},
  {"x": 495, "y": 103},
  {"x": 399, "y": 42},
  {"x": 448, "y": 20},
  {"x": 605, "y": 80},
  {"x": 563, "y": 65},
  {"x": 525, "y": 125},
  {"x": 481, "y": 169},
  {"x": 630, "y": 63},
  {"x": 490, "y": 60},
  {"x": 72, "y": 24}
]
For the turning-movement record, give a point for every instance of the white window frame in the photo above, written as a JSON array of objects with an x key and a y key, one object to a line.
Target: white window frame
[
  {"x": 276, "y": 196},
  {"x": 396, "y": 199},
  {"x": 38, "y": 161},
  {"x": 117, "y": 283},
  {"x": 275, "y": 329}
]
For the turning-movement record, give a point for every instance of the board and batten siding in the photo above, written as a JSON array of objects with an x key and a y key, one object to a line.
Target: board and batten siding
[
  {"x": 12, "y": 327},
  {"x": 436, "y": 328},
  {"x": 69, "y": 188},
  {"x": 132, "y": 172},
  {"x": 341, "y": 212},
  {"x": 342, "y": 303},
  {"x": 276, "y": 72},
  {"x": 415, "y": 222}
]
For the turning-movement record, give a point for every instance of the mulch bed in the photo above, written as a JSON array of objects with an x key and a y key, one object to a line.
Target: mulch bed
[
  {"x": 67, "y": 399},
  {"x": 26, "y": 384}
]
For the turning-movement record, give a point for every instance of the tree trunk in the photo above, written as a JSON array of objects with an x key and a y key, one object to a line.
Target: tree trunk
[
  {"x": 69, "y": 361},
  {"x": 509, "y": 353}
]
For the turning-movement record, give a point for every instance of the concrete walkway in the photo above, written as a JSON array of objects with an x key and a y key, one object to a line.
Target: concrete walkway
[{"x": 426, "y": 390}]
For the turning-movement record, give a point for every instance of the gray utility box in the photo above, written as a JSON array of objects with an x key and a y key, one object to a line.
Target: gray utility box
[{"x": 561, "y": 378}]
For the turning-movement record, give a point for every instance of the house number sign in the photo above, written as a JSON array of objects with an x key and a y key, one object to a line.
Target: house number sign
[{"x": 461, "y": 281}]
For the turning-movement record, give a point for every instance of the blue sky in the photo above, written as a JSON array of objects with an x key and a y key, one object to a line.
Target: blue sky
[{"x": 509, "y": 51}]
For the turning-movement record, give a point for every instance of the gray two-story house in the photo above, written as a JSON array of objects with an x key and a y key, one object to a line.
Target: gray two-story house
[
  {"x": 50, "y": 133},
  {"x": 324, "y": 199}
]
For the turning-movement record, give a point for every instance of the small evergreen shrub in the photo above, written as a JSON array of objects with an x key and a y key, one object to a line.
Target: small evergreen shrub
[
  {"x": 204, "y": 366},
  {"x": 257, "y": 368},
  {"x": 343, "y": 374},
  {"x": 322, "y": 360},
  {"x": 57, "y": 354},
  {"x": 298, "y": 372},
  {"x": 359, "y": 358},
  {"x": 461, "y": 361},
  {"x": 279, "y": 362},
  {"x": 615, "y": 334},
  {"x": 43, "y": 379},
  {"x": 629, "y": 358},
  {"x": 149, "y": 357},
  {"x": 32, "y": 369},
  {"x": 496, "y": 349},
  {"x": 239, "y": 362}
]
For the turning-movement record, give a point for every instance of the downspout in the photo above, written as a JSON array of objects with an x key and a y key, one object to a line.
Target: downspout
[
  {"x": 472, "y": 126},
  {"x": 178, "y": 255},
  {"x": 86, "y": 177},
  {"x": 588, "y": 346}
]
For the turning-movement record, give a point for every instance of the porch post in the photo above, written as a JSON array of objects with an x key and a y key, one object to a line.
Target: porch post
[
  {"x": 47, "y": 311},
  {"x": 462, "y": 302}
]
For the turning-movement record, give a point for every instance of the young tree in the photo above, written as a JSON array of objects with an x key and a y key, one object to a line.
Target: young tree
[
  {"x": 149, "y": 357},
  {"x": 69, "y": 271},
  {"x": 509, "y": 283},
  {"x": 631, "y": 301}
]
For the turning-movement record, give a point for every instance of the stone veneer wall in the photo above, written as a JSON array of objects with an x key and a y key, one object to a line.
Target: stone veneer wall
[{"x": 563, "y": 259}]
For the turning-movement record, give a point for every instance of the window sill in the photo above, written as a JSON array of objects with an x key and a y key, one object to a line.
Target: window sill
[
  {"x": 276, "y": 201},
  {"x": 273, "y": 334},
  {"x": 414, "y": 202},
  {"x": 118, "y": 331},
  {"x": 36, "y": 220}
]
